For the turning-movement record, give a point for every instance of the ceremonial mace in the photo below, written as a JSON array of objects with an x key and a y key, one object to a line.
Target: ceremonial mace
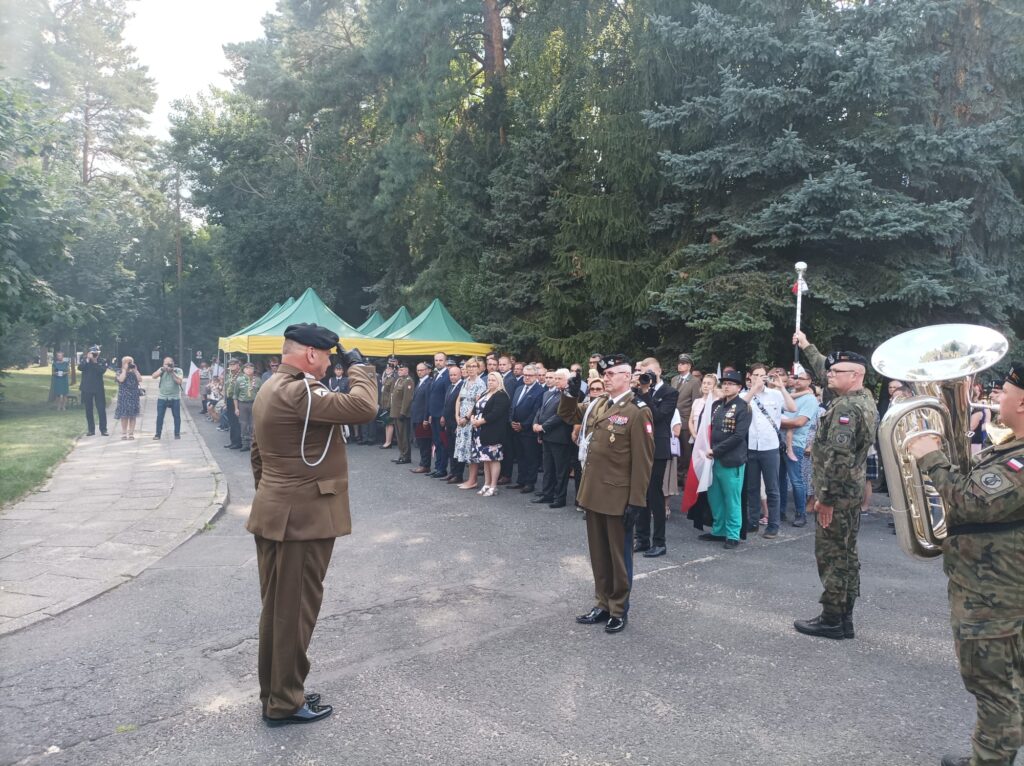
[{"x": 801, "y": 269}]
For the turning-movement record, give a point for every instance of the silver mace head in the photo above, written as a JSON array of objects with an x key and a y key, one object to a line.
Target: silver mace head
[{"x": 801, "y": 267}]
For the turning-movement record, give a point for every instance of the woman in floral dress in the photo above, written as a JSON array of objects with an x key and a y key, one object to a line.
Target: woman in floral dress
[
  {"x": 128, "y": 380},
  {"x": 472, "y": 390}
]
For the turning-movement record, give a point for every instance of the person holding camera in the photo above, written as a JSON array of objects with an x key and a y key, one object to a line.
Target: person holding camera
[
  {"x": 169, "y": 397},
  {"x": 91, "y": 389},
  {"x": 662, "y": 400},
  {"x": 128, "y": 380}
]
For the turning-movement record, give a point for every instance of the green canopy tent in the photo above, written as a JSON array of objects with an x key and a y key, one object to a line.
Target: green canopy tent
[
  {"x": 372, "y": 322},
  {"x": 395, "y": 322},
  {"x": 226, "y": 344},
  {"x": 433, "y": 330},
  {"x": 266, "y": 337}
]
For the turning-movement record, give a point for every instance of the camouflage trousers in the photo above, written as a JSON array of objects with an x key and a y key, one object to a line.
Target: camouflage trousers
[
  {"x": 993, "y": 671},
  {"x": 835, "y": 550}
]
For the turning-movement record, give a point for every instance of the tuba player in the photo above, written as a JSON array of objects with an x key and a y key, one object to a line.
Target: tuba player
[{"x": 983, "y": 557}]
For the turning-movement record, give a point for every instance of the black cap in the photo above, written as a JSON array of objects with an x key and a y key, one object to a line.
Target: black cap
[
  {"x": 1015, "y": 376},
  {"x": 451, "y": 362},
  {"x": 732, "y": 376},
  {"x": 311, "y": 335},
  {"x": 613, "y": 360},
  {"x": 845, "y": 356}
]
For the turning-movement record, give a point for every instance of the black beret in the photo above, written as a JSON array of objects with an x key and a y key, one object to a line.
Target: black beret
[
  {"x": 1015, "y": 376},
  {"x": 613, "y": 360},
  {"x": 845, "y": 356},
  {"x": 311, "y": 335},
  {"x": 732, "y": 376}
]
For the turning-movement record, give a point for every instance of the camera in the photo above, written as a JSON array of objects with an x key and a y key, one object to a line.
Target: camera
[
  {"x": 131, "y": 366},
  {"x": 646, "y": 379}
]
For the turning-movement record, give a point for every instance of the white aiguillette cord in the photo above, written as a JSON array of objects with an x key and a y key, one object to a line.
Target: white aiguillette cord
[{"x": 309, "y": 411}]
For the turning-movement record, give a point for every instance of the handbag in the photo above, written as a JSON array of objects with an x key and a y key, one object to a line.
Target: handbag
[
  {"x": 782, "y": 442},
  {"x": 675, "y": 446}
]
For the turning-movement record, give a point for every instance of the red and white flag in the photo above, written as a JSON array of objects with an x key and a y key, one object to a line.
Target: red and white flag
[
  {"x": 800, "y": 286},
  {"x": 193, "y": 382},
  {"x": 698, "y": 478}
]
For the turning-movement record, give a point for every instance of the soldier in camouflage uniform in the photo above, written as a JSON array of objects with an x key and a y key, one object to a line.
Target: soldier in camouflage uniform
[
  {"x": 983, "y": 557},
  {"x": 845, "y": 433}
]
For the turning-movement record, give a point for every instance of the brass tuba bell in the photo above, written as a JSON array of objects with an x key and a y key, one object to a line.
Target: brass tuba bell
[{"x": 938, "y": 364}]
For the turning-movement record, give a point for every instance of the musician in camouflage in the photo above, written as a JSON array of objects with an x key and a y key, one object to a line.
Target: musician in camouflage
[
  {"x": 845, "y": 433},
  {"x": 983, "y": 557}
]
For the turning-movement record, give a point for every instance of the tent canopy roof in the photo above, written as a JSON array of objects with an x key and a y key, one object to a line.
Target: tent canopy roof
[
  {"x": 394, "y": 322},
  {"x": 434, "y": 329},
  {"x": 372, "y": 322}
]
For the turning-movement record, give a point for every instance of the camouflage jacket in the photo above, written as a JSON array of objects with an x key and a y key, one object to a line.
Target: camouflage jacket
[
  {"x": 845, "y": 434},
  {"x": 985, "y": 568}
]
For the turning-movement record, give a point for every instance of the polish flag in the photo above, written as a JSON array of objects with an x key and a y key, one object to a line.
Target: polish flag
[
  {"x": 193, "y": 382},
  {"x": 799, "y": 286},
  {"x": 698, "y": 478}
]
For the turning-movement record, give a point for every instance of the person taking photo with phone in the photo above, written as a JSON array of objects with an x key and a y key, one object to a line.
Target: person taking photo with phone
[{"x": 170, "y": 378}]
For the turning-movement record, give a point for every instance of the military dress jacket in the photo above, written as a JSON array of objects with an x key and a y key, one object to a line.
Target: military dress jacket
[
  {"x": 620, "y": 453},
  {"x": 689, "y": 392},
  {"x": 293, "y": 500},
  {"x": 845, "y": 434},
  {"x": 983, "y": 556},
  {"x": 401, "y": 397}
]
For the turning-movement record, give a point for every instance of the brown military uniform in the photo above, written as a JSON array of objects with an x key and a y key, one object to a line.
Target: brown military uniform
[
  {"x": 689, "y": 392},
  {"x": 983, "y": 557},
  {"x": 620, "y": 455},
  {"x": 401, "y": 406},
  {"x": 297, "y": 513}
]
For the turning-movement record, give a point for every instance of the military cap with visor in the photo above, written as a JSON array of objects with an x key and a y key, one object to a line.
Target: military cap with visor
[
  {"x": 732, "y": 376},
  {"x": 685, "y": 358},
  {"x": 312, "y": 335}
]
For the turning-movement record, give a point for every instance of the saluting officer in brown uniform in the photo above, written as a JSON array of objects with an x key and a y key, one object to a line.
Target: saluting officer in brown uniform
[
  {"x": 301, "y": 505},
  {"x": 618, "y": 433}
]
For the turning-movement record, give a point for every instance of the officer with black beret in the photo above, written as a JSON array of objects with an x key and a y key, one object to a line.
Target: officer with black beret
[
  {"x": 617, "y": 453},
  {"x": 840, "y": 453},
  {"x": 301, "y": 505}
]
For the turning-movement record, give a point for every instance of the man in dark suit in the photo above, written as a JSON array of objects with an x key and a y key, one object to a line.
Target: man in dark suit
[
  {"x": 556, "y": 436},
  {"x": 525, "y": 403},
  {"x": 448, "y": 422},
  {"x": 438, "y": 390},
  {"x": 508, "y": 380},
  {"x": 420, "y": 416},
  {"x": 688, "y": 386},
  {"x": 662, "y": 400}
]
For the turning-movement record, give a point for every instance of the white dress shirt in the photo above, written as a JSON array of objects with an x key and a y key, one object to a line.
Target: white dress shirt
[{"x": 762, "y": 436}]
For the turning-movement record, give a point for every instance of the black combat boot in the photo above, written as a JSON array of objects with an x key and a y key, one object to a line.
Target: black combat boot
[
  {"x": 822, "y": 625},
  {"x": 848, "y": 625}
]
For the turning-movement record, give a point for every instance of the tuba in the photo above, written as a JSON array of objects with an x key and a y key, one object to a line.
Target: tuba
[{"x": 938, "y": 364}]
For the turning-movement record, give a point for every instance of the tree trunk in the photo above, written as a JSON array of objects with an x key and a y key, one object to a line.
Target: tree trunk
[{"x": 494, "y": 41}]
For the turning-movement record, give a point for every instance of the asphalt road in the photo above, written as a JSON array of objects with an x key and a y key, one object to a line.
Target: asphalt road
[{"x": 447, "y": 636}]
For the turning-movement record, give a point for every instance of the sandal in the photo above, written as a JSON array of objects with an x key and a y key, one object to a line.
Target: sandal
[{"x": 463, "y": 486}]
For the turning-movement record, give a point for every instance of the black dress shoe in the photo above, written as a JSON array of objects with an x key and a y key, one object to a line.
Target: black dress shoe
[
  {"x": 403, "y": 461},
  {"x": 386, "y": 446},
  {"x": 730, "y": 544},
  {"x": 517, "y": 486},
  {"x": 305, "y": 714},
  {"x": 545, "y": 500},
  {"x": 710, "y": 538},
  {"x": 557, "y": 505},
  {"x": 654, "y": 551},
  {"x": 396, "y": 460},
  {"x": 639, "y": 547},
  {"x": 312, "y": 699},
  {"x": 593, "y": 617},
  {"x": 526, "y": 490},
  {"x": 615, "y": 625},
  {"x": 820, "y": 627},
  {"x": 437, "y": 475}
]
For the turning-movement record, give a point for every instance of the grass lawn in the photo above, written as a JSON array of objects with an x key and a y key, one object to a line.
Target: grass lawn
[{"x": 34, "y": 437}]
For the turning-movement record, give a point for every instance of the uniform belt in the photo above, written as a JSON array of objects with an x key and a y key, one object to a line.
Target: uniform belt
[{"x": 980, "y": 529}]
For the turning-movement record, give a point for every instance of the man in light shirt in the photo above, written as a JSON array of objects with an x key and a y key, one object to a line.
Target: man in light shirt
[
  {"x": 767, "y": 399},
  {"x": 797, "y": 422}
]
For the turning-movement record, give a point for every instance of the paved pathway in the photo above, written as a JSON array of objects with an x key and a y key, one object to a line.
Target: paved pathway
[{"x": 111, "y": 509}]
